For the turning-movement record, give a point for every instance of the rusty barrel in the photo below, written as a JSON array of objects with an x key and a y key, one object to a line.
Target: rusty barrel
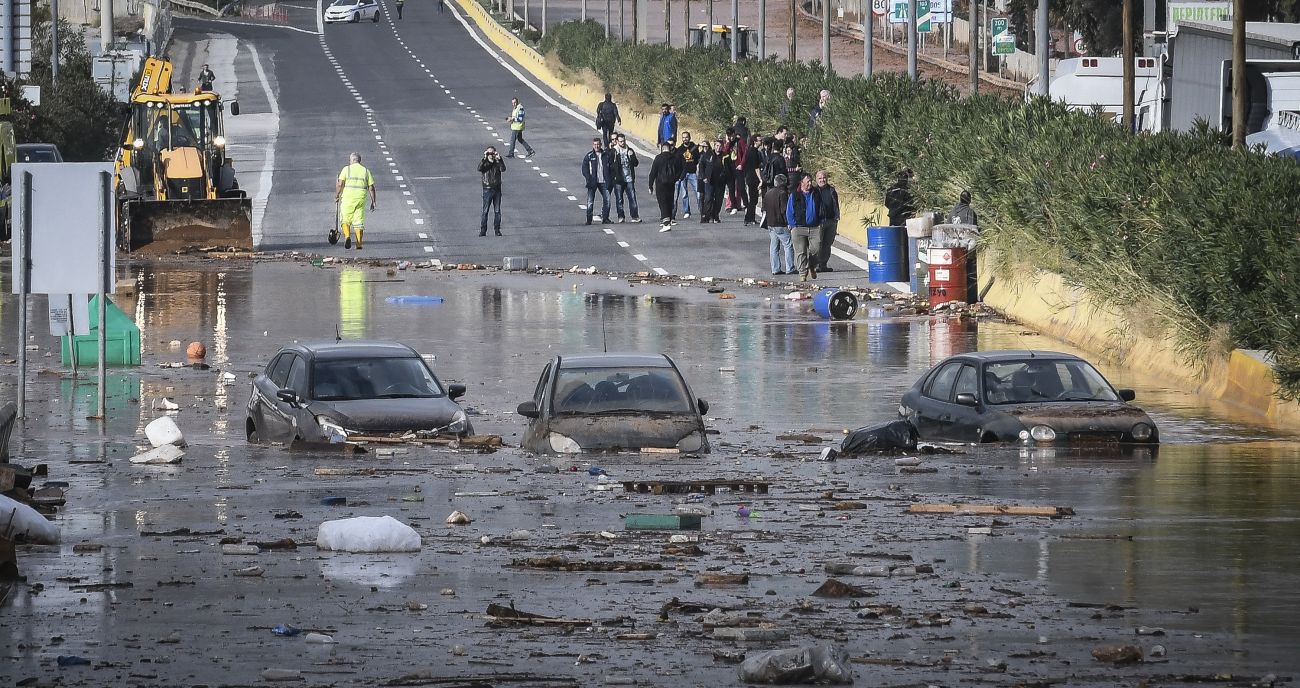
[{"x": 947, "y": 275}]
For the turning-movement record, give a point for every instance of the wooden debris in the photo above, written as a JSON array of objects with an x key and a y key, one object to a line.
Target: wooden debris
[
  {"x": 835, "y": 588},
  {"x": 722, "y": 579},
  {"x": 660, "y": 450},
  {"x": 498, "y": 615},
  {"x": 325, "y": 472},
  {"x": 662, "y": 487},
  {"x": 563, "y": 564},
  {"x": 805, "y": 437},
  {"x": 990, "y": 510}
]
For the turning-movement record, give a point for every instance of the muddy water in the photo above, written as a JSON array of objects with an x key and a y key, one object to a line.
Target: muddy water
[{"x": 1207, "y": 524}]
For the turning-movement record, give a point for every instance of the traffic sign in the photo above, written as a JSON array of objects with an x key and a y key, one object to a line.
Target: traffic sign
[
  {"x": 879, "y": 7},
  {"x": 899, "y": 14},
  {"x": 1004, "y": 42}
]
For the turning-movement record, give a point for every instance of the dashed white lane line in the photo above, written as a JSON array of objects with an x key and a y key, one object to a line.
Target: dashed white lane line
[
  {"x": 639, "y": 257},
  {"x": 624, "y": 244},
  {"x": 422, "y": 235},
  {"x": 661, "y": 271}
]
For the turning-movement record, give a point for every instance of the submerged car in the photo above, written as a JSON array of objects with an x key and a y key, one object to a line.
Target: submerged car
[
  {"x": 1033, "y": 397},
  {"x": 328, "y": 392},
  {"x": 611, "y": 402},
  {"x": 352, "y": 11}
]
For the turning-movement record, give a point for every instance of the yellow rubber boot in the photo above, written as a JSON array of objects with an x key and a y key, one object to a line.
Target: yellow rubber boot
[
  {"x": 361, "y": 231},
  {"x": 347, "y": 235}
]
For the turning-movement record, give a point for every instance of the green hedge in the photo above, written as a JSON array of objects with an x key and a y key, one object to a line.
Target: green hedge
[{"x": 1187, "y": 237}]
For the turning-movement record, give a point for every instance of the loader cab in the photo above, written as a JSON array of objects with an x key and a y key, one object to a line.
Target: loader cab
[{"x": 179, "y": 142}]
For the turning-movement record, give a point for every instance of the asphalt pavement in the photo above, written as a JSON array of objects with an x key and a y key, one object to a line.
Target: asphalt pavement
[{"x": 420, "y": 99}]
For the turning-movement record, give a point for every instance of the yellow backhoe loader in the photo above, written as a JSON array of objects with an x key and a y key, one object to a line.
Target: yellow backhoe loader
[{"x": 176, "y": 187}]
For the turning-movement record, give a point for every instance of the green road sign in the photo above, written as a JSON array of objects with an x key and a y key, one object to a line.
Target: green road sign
[
  {"x": 1004, "y": 42},
  {"x": 924, "y": 23}
]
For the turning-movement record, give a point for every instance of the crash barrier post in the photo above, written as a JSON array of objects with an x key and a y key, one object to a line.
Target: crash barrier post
[
  {"x": 8, "y": 416},
  {"x": 835, "y": 304},
  {"x": 886, "y": 257}
]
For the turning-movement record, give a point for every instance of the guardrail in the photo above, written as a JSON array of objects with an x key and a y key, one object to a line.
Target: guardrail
[{"x": 211, "y": 8}]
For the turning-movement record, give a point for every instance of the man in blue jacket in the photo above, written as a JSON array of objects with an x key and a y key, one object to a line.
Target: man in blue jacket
[
  {"x": 597, "y": 169},
  {"x": 667, "y": 125},
  {"x": 805, "y": 228}
]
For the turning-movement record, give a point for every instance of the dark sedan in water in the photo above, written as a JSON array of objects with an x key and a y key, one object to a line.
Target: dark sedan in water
[
  {"x": 1033, "y": 397},
  {"x": 326, "y": 392},
  {"x": 611, "y": 402}
]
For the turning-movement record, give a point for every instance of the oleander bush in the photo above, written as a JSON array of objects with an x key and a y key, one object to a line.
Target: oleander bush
[{"x": 1188, "y": 238}]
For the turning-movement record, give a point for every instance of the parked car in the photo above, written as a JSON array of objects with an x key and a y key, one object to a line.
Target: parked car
[
  {"x": 38, "y": 152},
  {"x": 1034, "y": 397},
  {"x": 327, "y": 392},
  {"x": 609, "y": 402},
  {"x": 352, "y": 11}
]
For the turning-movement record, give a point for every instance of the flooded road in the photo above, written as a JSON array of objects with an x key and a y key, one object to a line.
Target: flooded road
[{"x": 1198, "y": 540}]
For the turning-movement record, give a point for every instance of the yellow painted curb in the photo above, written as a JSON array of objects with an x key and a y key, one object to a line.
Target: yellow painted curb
[{"x": 1044, "y": 301}]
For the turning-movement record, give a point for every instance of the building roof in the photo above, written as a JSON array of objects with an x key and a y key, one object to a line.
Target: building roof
[{"x": 1283, "y": 35}]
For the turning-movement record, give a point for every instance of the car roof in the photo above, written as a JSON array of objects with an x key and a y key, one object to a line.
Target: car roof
[
  {"x": 37, "y": 146},
  {"x": 615, "y": 360},
  {"x": 1016, "y": 355},
  {"x": 355, "y": 349}
]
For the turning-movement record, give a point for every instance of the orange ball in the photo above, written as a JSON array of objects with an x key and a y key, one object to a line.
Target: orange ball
[{"x": 196, "y": 350}]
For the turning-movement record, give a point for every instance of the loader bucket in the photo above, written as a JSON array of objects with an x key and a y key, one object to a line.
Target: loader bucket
[{"x": 161, "y": 227}]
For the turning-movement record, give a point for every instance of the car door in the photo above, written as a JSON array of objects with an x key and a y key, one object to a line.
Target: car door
[
  {"x": 966, "y": 420},
  {"x": 270, "y": 423},
  {"x": 369, "y": 10},
  {"x": 934, "y": 411},
  {"x": 536, "y": 431},
  {"x": 302, "y": 421}
]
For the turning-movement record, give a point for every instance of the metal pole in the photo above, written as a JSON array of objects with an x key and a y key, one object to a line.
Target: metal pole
[
  {"x": 973, "y": 39},
  {"x": 105, "y": 25},
  {"x": 794, "y": 33},
  {"x": 911, "y": 40},
  {"x": 735, "y": 30},
  {"x": 668, "y": 23},
  {"x": 686, "y": 25},
  {"x": 584, "y": 10},
  {"x": 868, "y": 41},
  {"x": 622, "y": 30},
  {"x": 7, "y": 55},
  {"x": 1149, "y": 27},
  {"x": 636, "y": 15},
  {"x": 826, "y": 35},
  {"x": 1128, "y": 56},
  {"x": 24, "y": 289},
  {"x": 1044, "y": 50},
  {"x": 105, "y": 277},
  {"x": 525, "y": 15},
  {"x": 762, "y": 29},
  {"x": 54, "y": 43},
  {"x": 708, "y": 31},
  {"x": 1238, "y": 73},
  {"x": 543, "y": 27},
  {"x": 609, "y": 15}
]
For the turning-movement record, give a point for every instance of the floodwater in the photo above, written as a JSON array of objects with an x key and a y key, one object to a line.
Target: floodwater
[{"x": 1199, "y": 539}]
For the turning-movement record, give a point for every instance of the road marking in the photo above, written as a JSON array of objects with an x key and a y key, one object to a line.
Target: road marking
[
  {"x": 428, "y": 249},
  {"x": 624, "y": 244},
  {"x": 573, "y": 198},
  {"x": 265, "y": 178},
  {"x": 638, "y": 256},
  {"x": 661, "y": 271},
  {"x": 607, "y": 230},
  {"x": 422, "y": 235},
  {"x": 419, "y": 221},
  {"x": 854, "y": 260}
]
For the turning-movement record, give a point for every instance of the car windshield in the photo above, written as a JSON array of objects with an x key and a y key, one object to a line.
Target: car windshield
[
  {"x": 612, "y": 390},
  {"x": 1038, "y": 380},
  {"x": 373, "y": 378}
]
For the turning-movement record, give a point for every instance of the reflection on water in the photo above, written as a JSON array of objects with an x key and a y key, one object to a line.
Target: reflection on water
[
  {"x": 353, "y": 303},
  {"x": 386, "y": 571},
  {"x": 1213, "y": 526}
]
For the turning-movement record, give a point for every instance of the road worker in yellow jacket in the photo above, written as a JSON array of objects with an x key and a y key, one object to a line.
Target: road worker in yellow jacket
[{"x": 355, "y": 183}]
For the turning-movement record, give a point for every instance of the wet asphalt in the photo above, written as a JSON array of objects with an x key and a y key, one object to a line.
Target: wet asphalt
[{"x": 1194, "y": 544}]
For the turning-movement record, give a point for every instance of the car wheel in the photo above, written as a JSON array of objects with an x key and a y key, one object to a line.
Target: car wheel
[
  {"x": 356, "y": 17},
  {"x": 375, "y": 17},
  {"x": 250, "y": 431}
]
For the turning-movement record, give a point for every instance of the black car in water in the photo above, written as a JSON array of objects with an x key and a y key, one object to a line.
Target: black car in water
[
  {"x": 611, "y": 402},
  {"x": 1033, "y": 397},
  {"x": 326, "y": 392}
]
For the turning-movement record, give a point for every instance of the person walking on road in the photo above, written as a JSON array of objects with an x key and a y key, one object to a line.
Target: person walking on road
[
  {"x": 399, "y": 4},
  {"x": 354, "y": 183},
  {"x": 206, "y": 77},
  {"x": 490, "y": 168},
  {"x": 516, "y": 120},
  {"x": 664, "y": 173},
  {"x": 778, "y": 230},
  {"x": 625, "y": 162},
  {"x": 688, "y": 185},
  {"x": 607, "y": 118},
  {"x": 828, "y": 206},
  {"x": 805, "y": 228},
  {"x": 713, "y": 182},
  {"x": 667, "y": 125},
  {"x": 596, "y": 169},
  {"x": 749, "y": 181},
  {"x": 773, "y": 163}
]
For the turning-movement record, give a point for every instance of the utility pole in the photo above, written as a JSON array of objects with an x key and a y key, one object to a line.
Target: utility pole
[
  {"x": 1044, "y": 50},
  {"x": 584, "y": 10},
  {"x": 105, "y": 26},
  {"x": 686, "y": 25},
  {"x": 636, "y": 13},
  {"x": 826, "y": 35},
  {"x": 622, "y": 23},
  {"x": 609, "y": 16},
  {"x": 54, "y": 43},
  {"x": 973, "y": 40},
  {"x": 525, "y": 16},
  {"x": 708, "y": 30},
  {"x": 1238, "y": 73},
  {"x": 543, "y": 27},
  {"x": 794, "y": 33},
  {"x": 911, "y": 40},
  {"x": 868, "y": 19},
  {"x": 1128, "y": 57},
  {"x": 668, "y": 23},
  {"x": 762, "y": 29},
  {"x": 735, "y": 31}
]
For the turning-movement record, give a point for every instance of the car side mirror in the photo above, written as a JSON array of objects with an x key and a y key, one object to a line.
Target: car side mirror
[
  {"x": 528, "y": 409},
  {"x": 234, "y": 108},
  {"x": 288, "y": 396},
  {"x": 1127, "y": 395},
  {"x": 455, "y": 392},
  {"x": 967, "y": 399},
  {"x": 703, "y": 406}
]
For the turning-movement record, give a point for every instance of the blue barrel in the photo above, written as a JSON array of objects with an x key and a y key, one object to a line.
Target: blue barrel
[
  {"x": 835, "y": 304},
  {"x": 887, "y": 254}
]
